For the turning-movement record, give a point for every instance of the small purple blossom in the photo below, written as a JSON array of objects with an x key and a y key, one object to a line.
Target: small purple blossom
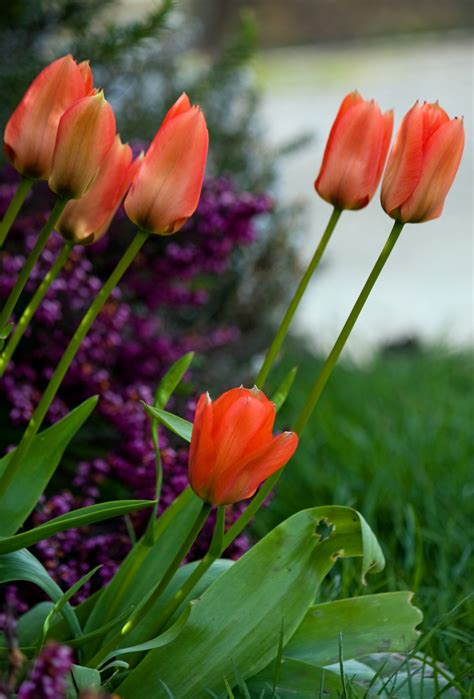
[{"x": 48, "y": 676}]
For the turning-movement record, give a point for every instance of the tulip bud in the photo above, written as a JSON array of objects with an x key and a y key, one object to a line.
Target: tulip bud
[
  {"x": 86, "y": 220},
  {"x": 422, "y": 164},
  {"x": 232, "y": 447},
  {"x": 85, "y": 135},
  {"x": 355, "y": 153},
  {"x": 30, "y": 133},
  {"x": 166, "y": 189}
]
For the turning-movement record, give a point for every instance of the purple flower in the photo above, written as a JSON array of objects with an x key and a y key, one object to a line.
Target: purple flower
[{"x": 48, "y": 676}]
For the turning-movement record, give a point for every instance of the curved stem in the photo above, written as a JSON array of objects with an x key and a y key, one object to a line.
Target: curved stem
[
  {"x": 333, "y": 356},
  {"x": 143, "y": 610},
  {"x": 68, "y": 356},
  {"x": 32, "y": 307},
  {"x": 14, "y": 207},
  {"x": 150, "y": 530},
  {"x": 31, "y": 261},
  {"x": 294, "y": 303}
]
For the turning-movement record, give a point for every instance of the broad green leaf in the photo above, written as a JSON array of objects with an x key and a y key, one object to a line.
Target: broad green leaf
[
  {"x": 183, "y": 428},
  {"x": 28, "y": 484},
  {"x": 71, "y": 520},
  {"x": 237, "y": 621},
  {"x": 298, "y": 679},
  {"x": 281, "y": 394},
  {"x": 158, "y": 642},
  {"x": 143, "y": 567},
  {"x": 84, "y": 678},
  {"x": 22, "y": 565},
  {"x": 171, "y": 379},
  {"x": 30, "y": 625},
  {"x": 370, "y": 624}
]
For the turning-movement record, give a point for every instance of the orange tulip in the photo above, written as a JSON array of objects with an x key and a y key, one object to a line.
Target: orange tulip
[
  {"x": 355, "y": 153},
  {"x": 166, "y": 189},
  {"x": 30, "y": 133},
  {"x": 85, "y": 135},
  {"x": 232, "y": 448},
  {"x": 86, "y": 220},
  {"x": 422, "y": 164}
]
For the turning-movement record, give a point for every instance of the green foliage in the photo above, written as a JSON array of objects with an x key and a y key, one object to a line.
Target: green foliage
[
  {"x": 20, "y": 495},
  {"x": 237, "y": 621},
  {"x": 394, "y": 439}
]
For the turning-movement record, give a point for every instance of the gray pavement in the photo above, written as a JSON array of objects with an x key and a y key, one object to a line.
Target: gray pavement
[{"x": 426, "y": 289}]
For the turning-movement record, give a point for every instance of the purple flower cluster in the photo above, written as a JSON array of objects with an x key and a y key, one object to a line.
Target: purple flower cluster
[
  {"x": 164, "y": 308},
  {"x": 48, "y": 676}
]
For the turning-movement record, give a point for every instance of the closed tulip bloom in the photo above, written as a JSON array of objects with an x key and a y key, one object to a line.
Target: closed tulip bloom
[
  {"x": 86, "y": 220},
  {"x": 355, "y": 153},
  {"x": 166, "y": 189},
  {"x": 30, "y": 134},
  {"x": 232, "y": 448},
  {"x": 422, "y": 164},
  {"x": 85, "y": 135}
]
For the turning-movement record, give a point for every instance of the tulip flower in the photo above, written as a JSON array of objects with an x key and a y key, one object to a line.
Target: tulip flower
[
  {"x": 166, "y": 189},
  {"x": 232, "y": 448},
  {"x": 86, "y": 220},
  {"x": 355, "y": 153},
  {"x": 422, "y": 164},
  {"x": 85, "y": 135},
  {"x": 30, "y": 134}
]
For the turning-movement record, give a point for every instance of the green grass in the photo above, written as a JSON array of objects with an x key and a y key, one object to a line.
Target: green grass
[{"x": 395, "y": 440}]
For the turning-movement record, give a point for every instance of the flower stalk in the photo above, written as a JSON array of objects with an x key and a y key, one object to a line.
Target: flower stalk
[
  {"x": 33, "y": 306},
  {"x": 14, "y": 207},
  {"x": 295, "y": 301}
]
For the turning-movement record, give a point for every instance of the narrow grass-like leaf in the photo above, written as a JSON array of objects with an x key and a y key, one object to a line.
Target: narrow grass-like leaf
[
  {"x": 281, "y": 394},
  {"x": 171, "y": 379},
  {"x": 183, "y": 428},
  {"x": 28, "y": 483},
  {"x": 71, "y": 520}
]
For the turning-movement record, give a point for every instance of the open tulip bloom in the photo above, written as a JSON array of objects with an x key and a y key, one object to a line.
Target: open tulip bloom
[{"x": 159, "y": 629}]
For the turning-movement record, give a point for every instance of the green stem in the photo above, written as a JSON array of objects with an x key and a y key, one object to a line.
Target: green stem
[
  {"x": 32, "y": 307},
  {"x": 330, "y": 362},
  {"x": 14, "y": 207},
  {"x": 298, "y": 295},
  {"x": 150, "y": 530},
  {"x": 143, "y": 610},
  {"x": 68, "y": 356},
  {"x": 31, "y": 261}
]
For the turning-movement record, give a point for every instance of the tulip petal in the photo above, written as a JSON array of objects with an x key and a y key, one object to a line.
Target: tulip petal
[
  {"x": 403, "y": 170},
  {"x": 440, "y": 164},
  {"x": 349, "y": 101},
  {"x": 247, "y": 477},
  {"x": 385, "y": 144},
  {"x": 181, "y": 106},
  {"x": 202, "y": 448}
]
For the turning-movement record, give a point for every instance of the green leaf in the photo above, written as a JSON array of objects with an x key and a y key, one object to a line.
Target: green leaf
[
  {"x": 171, "y": 379},
  {"x": 281, "y": 394},
  {"x": 183, "y": 428},
  {"x": 158, "y": 642},
  {"x": 71, "y": 520},
  {"x": 370, "y": 624},
  {"x": 22, "y": 565},
  {"x": 84, "y": 678},
  {"x": 28, "y": 484},
  {"x": 299, "y": 679},
  {"x": 145, "y": 564},
  {"x": 237, "y": 621},
  {"x": 30, "y": 624}
]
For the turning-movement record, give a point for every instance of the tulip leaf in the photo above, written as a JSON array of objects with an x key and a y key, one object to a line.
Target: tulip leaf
[
  {"x": 28, "y": 483},
  {"x": 171, "y": 379},
  {"x": 183, "y": 428},
  {"x": 83, "y": 679},
  {"x": 237, "y": 621},
  {"x": 71, "y": 520},
  {"x": 22, "y": 565},
  {"x": 370, "y": 624},
  {"x": 145, "y": 564},
  {"x": 281, "y": 394}
]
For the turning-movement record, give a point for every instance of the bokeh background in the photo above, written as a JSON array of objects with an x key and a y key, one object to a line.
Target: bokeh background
[{"x": 392, "y": 435}]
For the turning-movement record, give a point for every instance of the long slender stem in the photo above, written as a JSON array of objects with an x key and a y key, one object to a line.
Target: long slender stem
[
  {"x": 294, "y": 303},
  {"x": 143, "y": 609},
  {"x": 14, "y": 207},
  {"x": 150, "y": 530},
  {"x": 31, "y": 261},
  {"x": 32, "y": 307},
  {"x": 333, "y": 356},
  {"x": 68, "y": 356}
]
